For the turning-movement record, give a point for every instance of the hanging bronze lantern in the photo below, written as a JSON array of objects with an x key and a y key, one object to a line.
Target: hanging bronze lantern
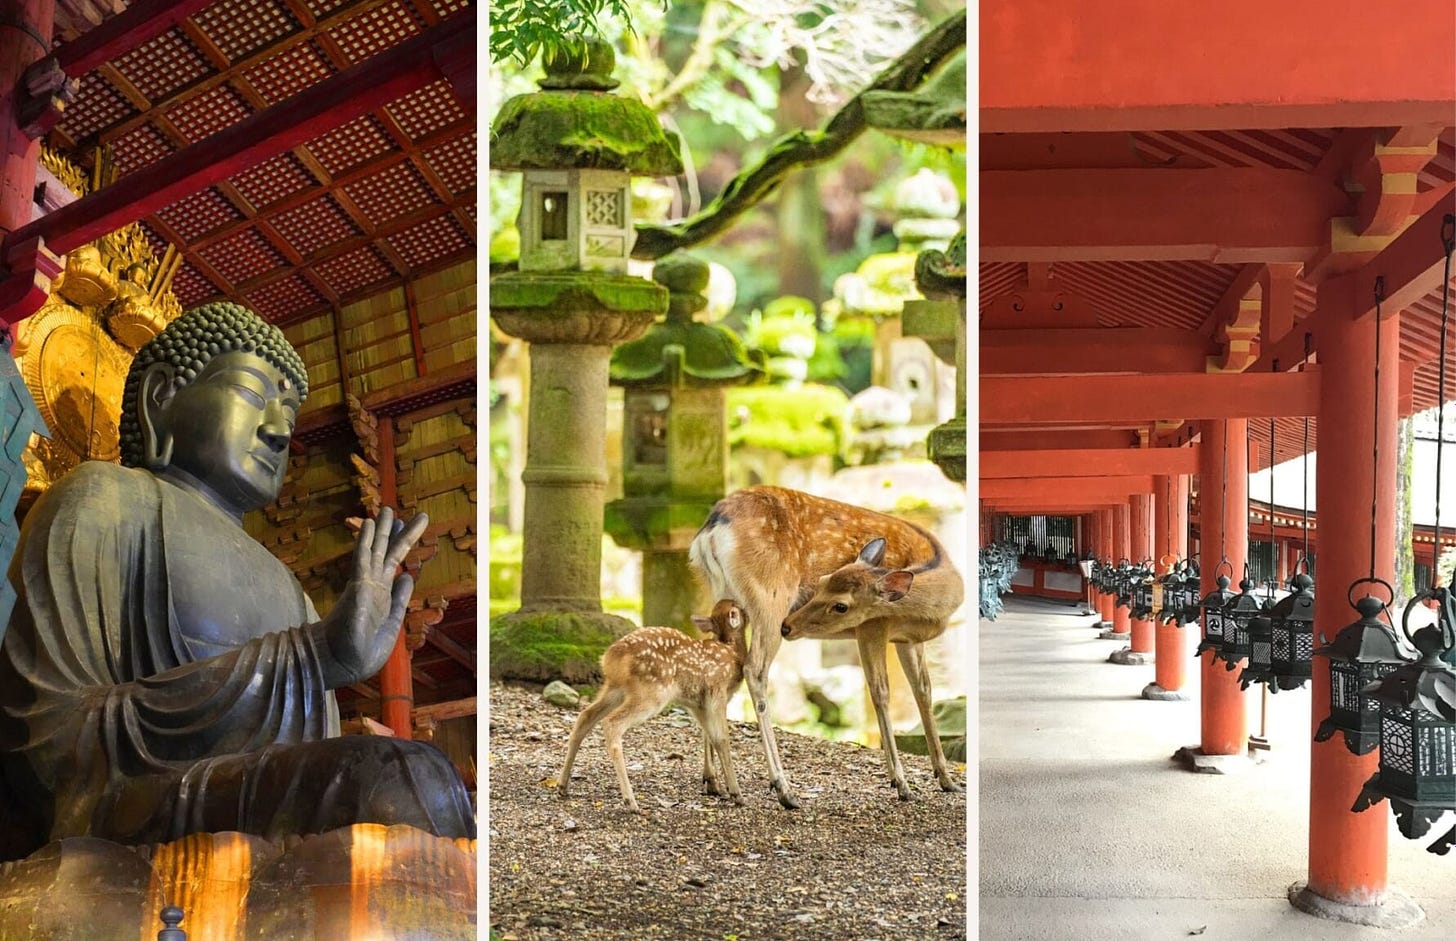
[
  {"x": 1213, "y": 605},
  {"x": 1238, "y": 612},
  {"x": 1260, "y": 664},
  {"x": 1122, "y": 583},
  {"x": 1142, "y": 592},
  {"x": 1361, "y": 653},
  {"x": 1171, "y": 611},
  {"x": 1418, "y": 727},
  {"x": 1191, "y": 602},
  {"x": 1292, "y": 623}
]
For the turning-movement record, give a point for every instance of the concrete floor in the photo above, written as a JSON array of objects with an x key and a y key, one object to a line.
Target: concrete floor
[{"x": 1088, "y": 830}]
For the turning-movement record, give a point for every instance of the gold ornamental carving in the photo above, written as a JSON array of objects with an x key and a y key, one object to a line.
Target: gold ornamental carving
[{"x": 74, "y": 353}]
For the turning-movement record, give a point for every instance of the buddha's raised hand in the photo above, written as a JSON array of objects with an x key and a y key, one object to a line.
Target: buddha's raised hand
[{"x": 360, "y": 631}]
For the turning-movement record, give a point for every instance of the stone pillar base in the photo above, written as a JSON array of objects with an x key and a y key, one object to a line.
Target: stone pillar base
[
  {"x": 1101, "y": 625},
  {"x": 541, "y": 646},
  {"x": 1193, "y": 759},
  {"x": 1129, "y": 657},
  {"x": 1157, "y": 693},
  {"x": 1397, "y": 910},
  {"x": 1110, "y": 634}
]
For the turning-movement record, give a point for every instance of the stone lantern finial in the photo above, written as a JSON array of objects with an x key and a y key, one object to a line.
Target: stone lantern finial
[{"x": 578, "y": 147}]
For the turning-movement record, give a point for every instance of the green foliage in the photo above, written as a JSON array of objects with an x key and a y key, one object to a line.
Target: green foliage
[
  {"x": 749, "y": 112},
  {"x": 521, "y": 29},
  {"x": 800, "y": 422}
]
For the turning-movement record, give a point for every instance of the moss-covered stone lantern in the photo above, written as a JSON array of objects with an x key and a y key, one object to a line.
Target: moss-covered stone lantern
[
  {"x": 935, "y": 113},
  {"x": 577, "y": 145},
  {"x": 675, "y": 437}
]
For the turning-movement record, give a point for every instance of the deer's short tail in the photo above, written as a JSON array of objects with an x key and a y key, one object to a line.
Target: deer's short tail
[{"x": 711, "y": 551}]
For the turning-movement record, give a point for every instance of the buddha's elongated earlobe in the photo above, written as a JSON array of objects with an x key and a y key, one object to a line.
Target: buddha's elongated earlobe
[{"x": 156, "y": 391}]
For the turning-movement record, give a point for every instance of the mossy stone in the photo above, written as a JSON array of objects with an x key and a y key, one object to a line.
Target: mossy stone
[
  {"x": 572, "y": 291},
  {"x": 541, "y": 646},
  {"x": 682, "y": 272},
  {"x": 584, "y": 130},
  {"x": 707, "y": 354}
]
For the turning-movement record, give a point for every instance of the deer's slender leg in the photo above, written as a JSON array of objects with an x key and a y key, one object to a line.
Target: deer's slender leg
[
  {"x": 912, "y": 658},
  {"x": 872, "y": 643},
  {"x": 717, "y": 731},
  {"x": 629, "y": 714},
  {"x": 609, "y": 699},
  {"x": 761, "y": 651}
]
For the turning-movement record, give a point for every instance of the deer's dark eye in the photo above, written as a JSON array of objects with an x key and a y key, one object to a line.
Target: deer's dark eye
[{"x": 840, "y": 607}]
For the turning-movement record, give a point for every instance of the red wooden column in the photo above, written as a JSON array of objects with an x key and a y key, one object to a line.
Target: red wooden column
[
  {"x": 1140, "y": 506},
  {"x": 1347, "y": 851},
  {"x": 1223, "y": 474},
  {"x": 1109, "y": 555},
  {"x": 1121, "y": 549},
  {"x": 1089, "y": 544},
  {"x": 1171, "y": 539},
  {"x": 396, "y": 685}
]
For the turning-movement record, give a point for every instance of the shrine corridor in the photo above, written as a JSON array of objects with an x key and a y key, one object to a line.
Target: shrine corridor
[{"x": 1089, "y": 831}]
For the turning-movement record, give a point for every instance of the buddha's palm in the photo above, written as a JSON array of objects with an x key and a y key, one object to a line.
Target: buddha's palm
[{"x": 360, "y": 631}]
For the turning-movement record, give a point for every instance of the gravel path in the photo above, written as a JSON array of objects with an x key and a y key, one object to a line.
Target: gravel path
[{"x": 854, "y": 864}]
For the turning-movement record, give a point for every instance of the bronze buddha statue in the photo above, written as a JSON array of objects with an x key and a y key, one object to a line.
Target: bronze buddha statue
[{"x": 163, "y": 673}]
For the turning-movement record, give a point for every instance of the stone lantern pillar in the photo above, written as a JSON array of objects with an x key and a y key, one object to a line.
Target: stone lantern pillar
[
  {"x": 941, "y": 320},
  {"x": 571, "y": 299},
  {"x": 675, "y": 438}
]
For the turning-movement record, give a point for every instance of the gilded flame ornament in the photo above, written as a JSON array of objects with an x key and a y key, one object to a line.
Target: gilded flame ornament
[{"x": 74, "y": 353}]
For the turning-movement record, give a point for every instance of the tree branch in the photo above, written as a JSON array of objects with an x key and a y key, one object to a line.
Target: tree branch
[{"x": 801, "y": 148}]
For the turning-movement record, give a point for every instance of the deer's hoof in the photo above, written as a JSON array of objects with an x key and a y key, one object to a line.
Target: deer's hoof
[
  {"x": 903, "y": 790},
  {"x": 950, "y": 787},
  {"x": 786, "y": 800},
  {"x": 738, "y": 800}
]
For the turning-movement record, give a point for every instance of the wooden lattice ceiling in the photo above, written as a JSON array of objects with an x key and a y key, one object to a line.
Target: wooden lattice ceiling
[{"x": 364, "y": 206}]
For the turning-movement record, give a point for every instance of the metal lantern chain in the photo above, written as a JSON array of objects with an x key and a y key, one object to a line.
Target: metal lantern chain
[
  {"x": 1375, "y": 436},
  {"x": 1448, "y": 242}
]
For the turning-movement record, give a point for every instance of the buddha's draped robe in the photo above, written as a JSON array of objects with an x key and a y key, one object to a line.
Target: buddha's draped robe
[{"x": 156, "y": 681}]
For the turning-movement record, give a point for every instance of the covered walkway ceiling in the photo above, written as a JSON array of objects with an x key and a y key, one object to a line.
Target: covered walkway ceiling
[{"x": 1155, "y": 213}]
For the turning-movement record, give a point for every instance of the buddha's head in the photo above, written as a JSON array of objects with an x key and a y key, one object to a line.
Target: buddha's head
[{"x": 213, "y": 398}]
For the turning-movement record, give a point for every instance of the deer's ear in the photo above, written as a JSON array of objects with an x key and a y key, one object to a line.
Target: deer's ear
[
  {"x": 874, "y": 551},
  {"x": 894, "y": 585},
  {"x": 704, "y": 625},
  {"x": 735, "y": 618}
]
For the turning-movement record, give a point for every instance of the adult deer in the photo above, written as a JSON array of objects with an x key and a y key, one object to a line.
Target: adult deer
[{"x": 824, "y": 569}]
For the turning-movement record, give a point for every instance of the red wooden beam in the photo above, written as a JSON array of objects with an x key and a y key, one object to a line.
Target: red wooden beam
[
  {"x": 337, "y": 100},
  {"x": 1133, "y": 65},
  {"x": 1088, "y": 462},
  {"x": 1224, "y": 215},
  {"x": 1093, "y": 350},
  {"x": 1063, "y": 489},
  {"x": 1016, "y": 400},
  {"x": 1040, "y": 439},
  {"x": 118, "y": 35}
]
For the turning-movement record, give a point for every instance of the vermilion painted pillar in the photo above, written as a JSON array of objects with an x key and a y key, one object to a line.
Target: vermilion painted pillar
[
  {"x": 25, "y": 31},
  {"x": 1140, "y": 506},
  {"x": 1172, "y": 540},
  {"x": 1109, "y": 555},
  {"x": 1223, "y": 474},
  {"x": 396, "y": 685},
  {"x": 1121, "y": 549},
  {"x": 1347, "y": 851}
]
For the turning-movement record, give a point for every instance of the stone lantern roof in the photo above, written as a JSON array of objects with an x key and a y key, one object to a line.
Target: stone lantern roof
[
  {"x": 575, "y": 123},
  {"x": 705, "y": 354}
]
